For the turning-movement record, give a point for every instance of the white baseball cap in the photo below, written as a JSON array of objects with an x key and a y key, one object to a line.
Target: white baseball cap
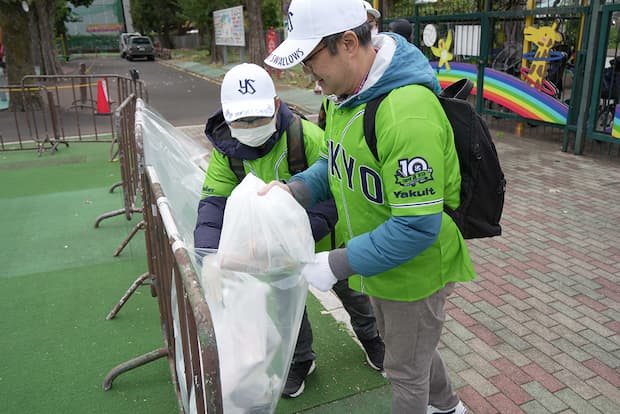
[
  {"x": 371, "y": 10},
  {"x": 309, "y": 21},
  {"x": 247, "y": 90}
]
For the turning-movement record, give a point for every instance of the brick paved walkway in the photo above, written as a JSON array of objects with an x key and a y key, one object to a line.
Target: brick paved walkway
[{"x": 539, "y": 330}]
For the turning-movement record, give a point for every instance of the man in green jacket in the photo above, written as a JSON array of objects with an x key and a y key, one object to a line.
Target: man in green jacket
[
  {"x": 401, "y": 249},
  {"x": 250, "y": 135}
]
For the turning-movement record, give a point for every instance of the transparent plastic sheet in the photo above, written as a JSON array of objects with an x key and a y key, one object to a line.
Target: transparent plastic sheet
[
  {"x": 256, "y": 315},
  {"x": 180, "y": 165}
]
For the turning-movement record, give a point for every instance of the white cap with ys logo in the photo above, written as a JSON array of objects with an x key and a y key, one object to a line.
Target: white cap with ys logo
[
  {"x": 311, "y": 20},
  {"x": 247, "y": 90}
]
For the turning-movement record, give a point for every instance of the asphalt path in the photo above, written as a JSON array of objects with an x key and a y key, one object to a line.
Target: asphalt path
[{"x": 181, "y": 98}]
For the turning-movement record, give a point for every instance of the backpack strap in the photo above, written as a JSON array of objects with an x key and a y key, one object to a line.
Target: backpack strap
[
  {"x": 322, "y": 118},
  {"x": 369, "y": 124},
  {"x": 236, "y": 165},
  {"x": 296, "y": 153},
  {"x": 460, "y": 89}
]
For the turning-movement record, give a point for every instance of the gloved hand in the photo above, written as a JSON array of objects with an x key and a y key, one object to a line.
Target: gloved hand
[{"x": 319, "y": 274}]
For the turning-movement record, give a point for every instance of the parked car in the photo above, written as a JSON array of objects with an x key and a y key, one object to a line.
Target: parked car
[
  {"x": 140, "y": 47},
  {"x": 123, "y": 42}
]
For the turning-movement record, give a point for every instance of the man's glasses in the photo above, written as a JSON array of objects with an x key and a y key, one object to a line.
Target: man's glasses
[{"x": 305, "y": 64}]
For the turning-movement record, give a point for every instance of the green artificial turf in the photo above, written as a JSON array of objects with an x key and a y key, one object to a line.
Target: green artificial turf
[
  {"x": 57, "y": 346},
  {"x": 58, "y": 281},
  {"x": 341, "y": 367}
]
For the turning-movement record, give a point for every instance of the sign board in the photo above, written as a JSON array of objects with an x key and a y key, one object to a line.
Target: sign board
[
  {"x": 229, "y": 27},
  {"x": 104, "y": 28},
  {"x": 102, "y": 16}
]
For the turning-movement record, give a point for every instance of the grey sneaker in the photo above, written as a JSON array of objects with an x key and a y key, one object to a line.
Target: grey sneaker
[
  {"x": 457, "y": 409},
  {"x": 375, "y": 351},
  {"x": 295, "y": 382}
]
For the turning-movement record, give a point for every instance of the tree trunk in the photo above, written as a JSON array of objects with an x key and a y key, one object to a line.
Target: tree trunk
[
  {"x": 44, "y": 44},
  {"x": 256, "y": 37},
  {"x": 18, "y": 51},
  {"x": 216, "y": 54}
]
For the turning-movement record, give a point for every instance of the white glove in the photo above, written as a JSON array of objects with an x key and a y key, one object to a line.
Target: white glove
[{"x": 319, "y": 274}]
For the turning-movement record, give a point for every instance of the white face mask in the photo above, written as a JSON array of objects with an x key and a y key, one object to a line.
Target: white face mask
[
  {"x": 254, "y": 137},
  {"x": 374, "y": 31}
]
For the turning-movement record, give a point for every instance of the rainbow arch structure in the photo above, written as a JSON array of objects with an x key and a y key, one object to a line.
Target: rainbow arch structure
[
  {"x": 615, "y": 131},
  {"x": 508, "y": 91}
]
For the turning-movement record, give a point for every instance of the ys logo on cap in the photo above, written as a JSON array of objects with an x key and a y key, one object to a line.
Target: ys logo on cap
[
  {"x": 246, "y": 87},
  {"x": 290, "y": 22}
]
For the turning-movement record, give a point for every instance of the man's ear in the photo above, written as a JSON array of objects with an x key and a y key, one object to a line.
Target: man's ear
[{"x": 350, "y": 41}]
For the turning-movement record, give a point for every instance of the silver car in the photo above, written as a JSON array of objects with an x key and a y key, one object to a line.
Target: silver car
[
  {"x": 140, "y": 47},
  {"x": 123, "y": 42}
]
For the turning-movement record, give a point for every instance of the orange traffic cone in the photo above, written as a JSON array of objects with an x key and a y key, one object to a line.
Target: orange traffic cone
[{"x": 103, "y": 104}]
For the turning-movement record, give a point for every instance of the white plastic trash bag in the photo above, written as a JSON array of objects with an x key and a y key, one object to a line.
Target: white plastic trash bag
[
  {"x": 247, "y": 338},
  {"x": 256, "y": 321},
  {"x": 264, "y": 234},
  {"x": 256, "y": 293}
]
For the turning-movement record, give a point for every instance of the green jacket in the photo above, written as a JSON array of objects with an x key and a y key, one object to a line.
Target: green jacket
[
  {"x": 267, "y": 163},
  {"x": 417, "y": 172}
]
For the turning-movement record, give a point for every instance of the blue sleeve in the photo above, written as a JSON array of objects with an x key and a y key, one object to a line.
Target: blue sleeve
[
  {"x": 209, "y": 222},
  {"x": 315, "y": 179},
  {"x": 393, "y": 243}
]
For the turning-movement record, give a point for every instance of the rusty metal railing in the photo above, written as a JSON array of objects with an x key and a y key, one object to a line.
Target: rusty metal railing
[
  {"x": 130, "y": 159},
  {"x": 51, "y": 109},
  {"x": 38, "y": 119},
  {"x": 189, "y": 338}
]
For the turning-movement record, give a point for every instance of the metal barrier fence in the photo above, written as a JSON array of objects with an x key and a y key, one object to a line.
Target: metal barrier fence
[
  {"x": 45, "y": 110},
  {"x": 188, "y": 334},
  {"x": 39, "y": 119},
  {"x": 130, "y": 157},
  {"x": 94, "y": 120}
]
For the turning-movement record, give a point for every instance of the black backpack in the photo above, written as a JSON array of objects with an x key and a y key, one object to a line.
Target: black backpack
[
  {"x": 482, "y": 180},
  {"x": 296, "y": 150}
]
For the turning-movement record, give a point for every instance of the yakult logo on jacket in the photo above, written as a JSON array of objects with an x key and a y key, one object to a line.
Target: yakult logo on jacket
[{"x": 412, "y": 171}]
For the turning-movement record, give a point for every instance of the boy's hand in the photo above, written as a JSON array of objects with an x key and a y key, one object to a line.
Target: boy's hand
[{"x": 272, "y": 184}]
